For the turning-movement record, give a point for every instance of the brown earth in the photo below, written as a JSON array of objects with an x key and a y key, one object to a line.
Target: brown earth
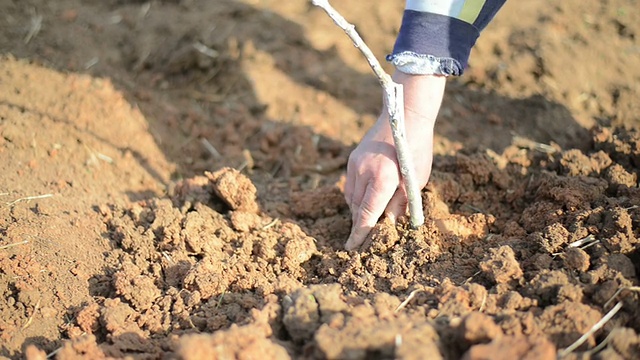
[{"x": 170, "y": 179}]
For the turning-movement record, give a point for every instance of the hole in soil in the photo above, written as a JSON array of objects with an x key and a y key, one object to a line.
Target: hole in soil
[
  {"x": 635, "y": 259},
  {"x": 101, "y": 285}
]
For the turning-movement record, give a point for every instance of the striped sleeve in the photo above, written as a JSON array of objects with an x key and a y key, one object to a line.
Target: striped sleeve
[{"x": 436, "y": 36}]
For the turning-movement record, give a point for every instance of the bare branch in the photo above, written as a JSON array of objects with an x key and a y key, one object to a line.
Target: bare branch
[{"x": 394, "y": 99}]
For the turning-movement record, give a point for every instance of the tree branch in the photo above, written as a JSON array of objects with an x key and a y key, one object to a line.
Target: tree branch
[{"x": 394, "y": 99}]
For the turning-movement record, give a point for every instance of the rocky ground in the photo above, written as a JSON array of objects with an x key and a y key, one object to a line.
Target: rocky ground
[{"x": 171, "y": 172}]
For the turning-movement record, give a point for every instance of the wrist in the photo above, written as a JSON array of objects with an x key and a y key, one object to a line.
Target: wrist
[
  {"x": 404, "y": 78},
  {"x": 422, "y": 96}
]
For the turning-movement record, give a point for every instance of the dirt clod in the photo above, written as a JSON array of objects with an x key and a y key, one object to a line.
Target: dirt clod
[
  {"x": 576, "y": 259},
  {"x": 480, "y": 328},
  {"x": 235, "y": 189},
  {"x": 501, "y": 266},
  {"x": 301, "y": 315},
  {"x": 513, "y": 347}
]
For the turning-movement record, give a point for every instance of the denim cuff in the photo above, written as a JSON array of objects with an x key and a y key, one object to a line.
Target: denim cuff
[{"x": 431, "y": 43}]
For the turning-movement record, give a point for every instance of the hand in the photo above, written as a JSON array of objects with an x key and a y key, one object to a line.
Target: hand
[{"x": 373, "y": 186}]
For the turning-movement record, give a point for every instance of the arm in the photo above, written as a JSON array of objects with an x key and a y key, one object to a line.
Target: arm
[{"x": 434, "y": 42}]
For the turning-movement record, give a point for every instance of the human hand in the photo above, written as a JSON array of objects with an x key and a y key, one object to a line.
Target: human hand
[{"x": 373, "y": 186}]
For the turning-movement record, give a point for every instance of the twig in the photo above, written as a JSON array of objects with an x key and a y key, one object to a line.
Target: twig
[
  {"x": 220, "y": 299},
  {"x": 476, "y": 209},
  {"x": 530, "y": 144},
  {"x": 104, "y": 157},
  {"x": 168, "y": 257},
  {"x": 593, "y": 329},
  {"x": 28, "y": 198},
  {"x": 277, "y": 168},
  {"x": 205, "y": 50},
  {"x": 91, "y": 63},
  {"x": 54, "y": 352},
  {"x": 398, "y": 340},
  {"x": 471, "y": 277},
  {"x": 590, "y": 238},
  {"x": 589, "y": 244},
  {"x": 484, "y": 302},
  {"x": 94, "y": 156},
  {"x": 36, "y": 26},
  {"x": 210, "y": 148},
  {"x": 248, "y": 162},
  {"x": 14, "y": 244},
  {"x": 630, "y": 288},
  {"x": 394, "y": 99},
  {"x": 407, "y": 300},
  {"x": 144, "y": 9},
  {"x": 272, "y": 223},
  {"x": 600, "y": 346},
  {"x": 583, "y": 243},
  {"x": 30, "y": 320}
]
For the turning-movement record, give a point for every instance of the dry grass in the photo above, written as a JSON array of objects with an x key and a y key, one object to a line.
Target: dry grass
[
  {"x": 14, "y": 244},
  {"x": 29, "y": 198},
  {"x": 597, "y": 326}
]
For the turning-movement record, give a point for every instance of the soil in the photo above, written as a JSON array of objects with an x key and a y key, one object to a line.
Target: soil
[{"x": 171, "y": 172}]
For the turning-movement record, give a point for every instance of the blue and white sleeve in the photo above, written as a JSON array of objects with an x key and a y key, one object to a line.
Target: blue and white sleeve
[{"x": 436, "y": 36}]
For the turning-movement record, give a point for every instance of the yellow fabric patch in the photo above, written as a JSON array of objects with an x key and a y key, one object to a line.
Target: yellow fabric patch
[{"x": 471, "y": 10}]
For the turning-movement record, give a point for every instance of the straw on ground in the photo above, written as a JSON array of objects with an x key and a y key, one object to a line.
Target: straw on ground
[
  {"x": 14, "y": 244},
  {"x": 591, "y": 331},
  {"x": 29, "y": 198}
]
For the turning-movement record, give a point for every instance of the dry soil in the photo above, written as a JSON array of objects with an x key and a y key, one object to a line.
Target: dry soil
[{"x": 171, "y": 172}]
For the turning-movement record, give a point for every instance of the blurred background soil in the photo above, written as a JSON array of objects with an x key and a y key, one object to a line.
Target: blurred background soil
[{"x": 170, "y": 176}]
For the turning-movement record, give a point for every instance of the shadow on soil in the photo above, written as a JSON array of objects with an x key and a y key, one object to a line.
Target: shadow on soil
[{"x": 477, "y": 120}]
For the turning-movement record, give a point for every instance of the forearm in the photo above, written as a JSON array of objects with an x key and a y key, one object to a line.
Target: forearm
[
  {"x": 422, "y": 96},
  {"x": 436, "y": 36}
]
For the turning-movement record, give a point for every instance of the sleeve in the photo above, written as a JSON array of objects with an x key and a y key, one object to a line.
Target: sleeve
[{"x": 436, "y": 36}]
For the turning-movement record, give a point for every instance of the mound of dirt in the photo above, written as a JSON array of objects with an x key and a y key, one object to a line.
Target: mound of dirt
[{"x": 206, "y": 260}]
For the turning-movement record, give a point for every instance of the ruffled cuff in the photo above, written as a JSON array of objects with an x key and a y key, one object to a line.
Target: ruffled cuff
[
  {"x": 418, "y": 64},
  {"x": 430, "y": 44}
]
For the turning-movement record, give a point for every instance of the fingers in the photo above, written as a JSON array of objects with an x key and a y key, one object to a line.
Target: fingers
[
  {"x": 377, "y": 195},
  {"x": 349, "y": 185},
  {"x": 398, "y": 205},
  {"x": 357, "y": 198}
]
